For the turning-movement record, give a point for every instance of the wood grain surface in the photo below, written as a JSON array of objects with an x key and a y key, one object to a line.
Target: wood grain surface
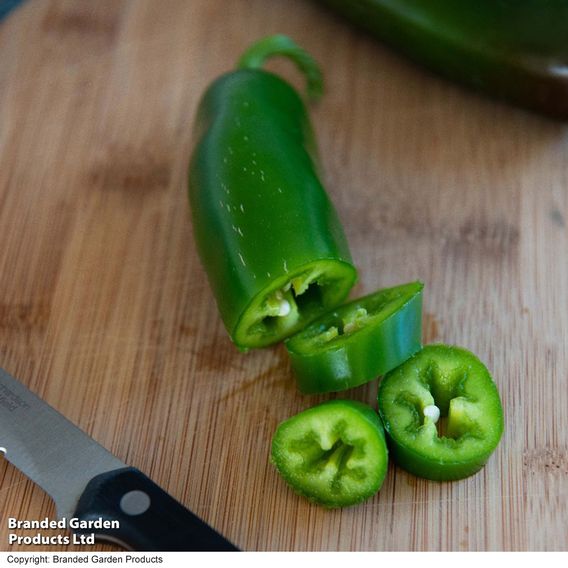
[{"x": 106, "y": 313}]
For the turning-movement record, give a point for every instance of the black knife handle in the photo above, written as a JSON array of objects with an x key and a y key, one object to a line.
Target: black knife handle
[{"x": 149, "y": 518}]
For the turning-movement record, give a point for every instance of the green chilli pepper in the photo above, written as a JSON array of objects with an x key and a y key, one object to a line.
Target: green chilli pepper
[
  {"x": 334, "y": 454},
  {"x": 513, "y": 49},
  {"x": 442, "y": 413},
  {"x": 358, "y": 341},
  {"x": 267, "y": 234}
]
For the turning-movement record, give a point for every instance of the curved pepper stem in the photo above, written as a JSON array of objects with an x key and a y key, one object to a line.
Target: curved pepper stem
[{"x": 280, "y": 45}]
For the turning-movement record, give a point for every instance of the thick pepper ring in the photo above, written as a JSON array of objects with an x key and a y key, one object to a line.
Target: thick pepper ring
[
  {"x": 442, "y": 413},
  {"x": 359, "y": 341},
  {"x": 267, "y": 234},
  {"x": 334, "y": 454}
]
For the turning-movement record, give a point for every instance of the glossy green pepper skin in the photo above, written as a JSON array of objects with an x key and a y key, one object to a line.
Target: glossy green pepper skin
[
  {"x": 334, "y": 454},
  {"x": 447, "y": 382},
  {"x": 358, "y": 341},
  {"x": 513, "y": 49},
  {"x": 267, "y": 234}
]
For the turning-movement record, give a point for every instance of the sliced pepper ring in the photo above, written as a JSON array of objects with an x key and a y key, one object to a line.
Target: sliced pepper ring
[
  {"x": 334, "y": 454},
  {"x": 358, "y": 341},
  {"x": 452, "y": 384}
]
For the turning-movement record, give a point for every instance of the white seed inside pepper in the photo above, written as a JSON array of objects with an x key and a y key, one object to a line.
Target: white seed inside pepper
[{"x": 432, "y": 412}]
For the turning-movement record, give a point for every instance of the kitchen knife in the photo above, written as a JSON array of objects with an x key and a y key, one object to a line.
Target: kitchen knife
[{"x": 88, "y": 483}]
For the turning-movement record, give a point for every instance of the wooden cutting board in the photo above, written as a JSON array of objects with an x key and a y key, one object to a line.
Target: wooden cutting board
[{"x": 106, "y": 312}]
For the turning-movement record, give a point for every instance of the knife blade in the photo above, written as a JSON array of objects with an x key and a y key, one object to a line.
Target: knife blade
[{"x": 90, "y": 484}]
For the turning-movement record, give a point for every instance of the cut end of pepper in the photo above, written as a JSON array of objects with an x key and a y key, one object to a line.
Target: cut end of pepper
[
  {"x": 293, "y": 301},
  {"x": 282, "y": 46}
]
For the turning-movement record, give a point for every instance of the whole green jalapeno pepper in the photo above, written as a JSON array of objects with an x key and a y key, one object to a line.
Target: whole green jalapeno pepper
[
  {"x": 267, "y": 234},
  {"x": 442, "y": 413},
  {"x": 513, "y": 49}
]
